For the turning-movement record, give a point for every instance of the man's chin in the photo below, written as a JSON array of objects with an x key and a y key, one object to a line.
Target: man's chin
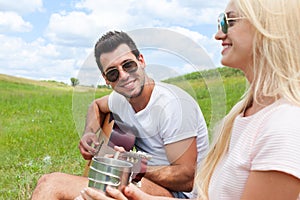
[
  {"x": 130, "y": 94},
  {"x": 136, "y": 92}
]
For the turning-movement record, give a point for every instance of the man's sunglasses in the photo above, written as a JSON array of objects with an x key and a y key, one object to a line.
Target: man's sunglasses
[
  {"x": 113, "y": 74},
  {"x": 224, "y": 22}
]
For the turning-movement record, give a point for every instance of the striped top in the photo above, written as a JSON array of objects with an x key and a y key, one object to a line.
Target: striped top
[{"x": 267, "y": 140}]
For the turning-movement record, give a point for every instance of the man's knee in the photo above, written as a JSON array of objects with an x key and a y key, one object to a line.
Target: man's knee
[
  {"x": 46, "y": 186},
  {"x": 50, "y": 183},
  {"x": 59, "y": 186},
  {"x": 49, "y": 179}
]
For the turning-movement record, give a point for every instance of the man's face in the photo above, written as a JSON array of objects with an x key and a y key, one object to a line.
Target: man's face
[{"x": 130, "y": 74}]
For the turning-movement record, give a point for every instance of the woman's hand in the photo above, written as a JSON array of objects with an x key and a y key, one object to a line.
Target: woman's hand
[
  {"x": 92, "y": 194},
  {"x": 134, "y": 193},
  {"x": 131, "y": 192}
]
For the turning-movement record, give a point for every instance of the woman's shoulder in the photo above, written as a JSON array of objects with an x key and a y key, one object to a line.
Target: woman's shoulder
[
  {"x": 284, "y": 114},
  {"x": 285, "y": 109}
]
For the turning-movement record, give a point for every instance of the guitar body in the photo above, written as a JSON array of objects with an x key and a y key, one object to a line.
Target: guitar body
[{"x": 117, "y": 133}]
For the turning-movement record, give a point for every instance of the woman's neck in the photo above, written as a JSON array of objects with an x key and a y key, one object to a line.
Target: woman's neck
[{"x": 257, "y": 105}]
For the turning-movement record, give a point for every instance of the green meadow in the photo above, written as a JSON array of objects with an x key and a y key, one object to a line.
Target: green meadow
[{"x": 41, "y": 122}]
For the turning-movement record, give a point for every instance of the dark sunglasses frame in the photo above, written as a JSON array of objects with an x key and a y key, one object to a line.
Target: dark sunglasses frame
[
  {"x": 223, "y": 22},
  {"x": 113, "y": 74}
]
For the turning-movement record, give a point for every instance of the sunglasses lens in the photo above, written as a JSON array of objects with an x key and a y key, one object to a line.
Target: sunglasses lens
[
  {"x": 130, "y": 67},
  {"x": 223, "y": 23},
  {"x": 112, "y": 75}
]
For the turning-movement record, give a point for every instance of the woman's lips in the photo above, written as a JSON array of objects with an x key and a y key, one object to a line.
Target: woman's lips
[{"x": 225, "y": 48}]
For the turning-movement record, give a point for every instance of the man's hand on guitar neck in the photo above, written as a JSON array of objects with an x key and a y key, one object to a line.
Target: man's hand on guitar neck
[
  {"x": 93, "y": 137},
  {"x": 87, "y": 145}
]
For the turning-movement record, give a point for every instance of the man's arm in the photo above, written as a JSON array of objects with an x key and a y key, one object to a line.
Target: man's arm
[
  {"x": 179, "y": 176},
  {"x": 96, "y": 114},
  {"x": 94, "y": 120}
]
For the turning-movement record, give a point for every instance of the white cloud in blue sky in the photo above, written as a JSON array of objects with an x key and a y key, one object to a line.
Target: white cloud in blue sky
[{"x": 51, "y": 39}]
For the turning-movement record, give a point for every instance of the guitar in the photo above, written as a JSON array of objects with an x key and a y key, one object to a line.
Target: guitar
[
  {"x": 115, "y": 133},
  {"x": 104, "y": 136}
]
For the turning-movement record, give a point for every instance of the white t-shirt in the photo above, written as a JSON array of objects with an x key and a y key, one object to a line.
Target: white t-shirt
[
  {"x": 267, "y": 140},
  {"x": 170, "y": 116}
]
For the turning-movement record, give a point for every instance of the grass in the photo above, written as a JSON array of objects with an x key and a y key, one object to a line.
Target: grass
[
  {"x": 38, "y": 134},
  {"x": 41, "y": 122},
  {"x": 216, "y": 91}
]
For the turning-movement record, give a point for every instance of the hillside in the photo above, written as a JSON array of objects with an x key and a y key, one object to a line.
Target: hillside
[
  {"x": 51, "y": 84},
  {"x": 224, "y": 72},
  {"x": 20, "y": 80}
]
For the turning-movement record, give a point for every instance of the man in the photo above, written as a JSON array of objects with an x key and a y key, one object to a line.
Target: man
[{"x": 169, "y": 123}]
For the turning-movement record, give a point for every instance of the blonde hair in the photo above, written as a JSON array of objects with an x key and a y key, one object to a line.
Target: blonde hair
[{"x": 276, "y": 70}]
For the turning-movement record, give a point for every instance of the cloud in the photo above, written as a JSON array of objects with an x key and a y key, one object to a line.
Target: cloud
[
  {"x": 12, "y": 22},
  {"x": 11, "y": 13},
  {"x": 39, "y": 59},
  {"x": 92, "y": 18},
  {"x": 170, "y": 13},
  {"x": 155, "y": 12},
  {"x": 69, "y": 35},
  {"x": 196, "y": 4},
  {"x": 74, "y": 28},
  {"x": 21, "y": 6},
  {"x": 211, "y": 46}
]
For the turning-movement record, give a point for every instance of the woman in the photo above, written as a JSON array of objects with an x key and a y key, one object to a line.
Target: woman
[{"x": 256, "y": 153}]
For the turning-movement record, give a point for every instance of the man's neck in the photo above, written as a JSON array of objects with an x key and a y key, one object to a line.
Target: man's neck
[{"x": 140, "y": 102}]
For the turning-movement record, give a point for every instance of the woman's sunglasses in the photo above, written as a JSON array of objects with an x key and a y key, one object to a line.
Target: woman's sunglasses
[
  {"x": 113, "y": 74},
  {"x": 224, "y": 22}
]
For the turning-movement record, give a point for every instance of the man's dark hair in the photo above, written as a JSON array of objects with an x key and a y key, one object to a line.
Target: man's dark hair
[{"x": 110, "y": 41}]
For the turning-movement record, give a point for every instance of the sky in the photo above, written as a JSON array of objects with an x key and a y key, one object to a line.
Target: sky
[{"x": 54, "y": 39}]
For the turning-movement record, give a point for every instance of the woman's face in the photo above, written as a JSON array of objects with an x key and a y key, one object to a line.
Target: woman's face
[{"x": 237, "y": 42}]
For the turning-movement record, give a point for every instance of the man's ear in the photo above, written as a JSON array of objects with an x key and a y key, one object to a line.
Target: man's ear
[
  {"x": 106, "y": 81},
  {"x": 142, "y": 60}
]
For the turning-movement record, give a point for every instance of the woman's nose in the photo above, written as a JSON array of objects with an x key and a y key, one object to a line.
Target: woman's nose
[{"x": 220, "y": 35}]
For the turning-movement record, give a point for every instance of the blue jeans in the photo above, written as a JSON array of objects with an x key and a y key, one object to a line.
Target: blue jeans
[{"x": 179, "y": 195}]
